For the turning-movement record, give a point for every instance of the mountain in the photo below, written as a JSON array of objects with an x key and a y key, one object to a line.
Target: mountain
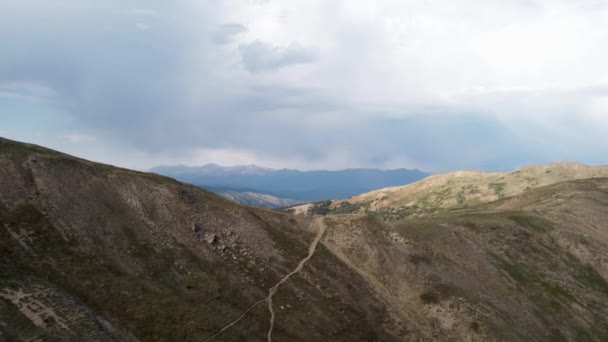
[
  {"x": 455, "y": 190},
  {"x": 90, "y": 252},
  {"x": 291, "y": 184}
]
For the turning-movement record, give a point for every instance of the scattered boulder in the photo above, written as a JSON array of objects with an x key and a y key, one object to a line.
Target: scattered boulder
[
  {"x": 196, "y": 228},
  {"x": 211, "y": 239}
]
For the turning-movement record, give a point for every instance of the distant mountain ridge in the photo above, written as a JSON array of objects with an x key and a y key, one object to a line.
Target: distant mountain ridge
[{"x": 291, "y": 184}]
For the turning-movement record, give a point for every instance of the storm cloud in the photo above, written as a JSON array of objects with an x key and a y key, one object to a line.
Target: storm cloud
[{"x": 308, "y": 84}]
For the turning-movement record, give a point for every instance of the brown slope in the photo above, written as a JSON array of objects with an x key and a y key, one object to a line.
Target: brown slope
[
  {"x": 530, "y": 268},
  {"x": 456, "y": 190},
  {"x": 93, "y": 252}
]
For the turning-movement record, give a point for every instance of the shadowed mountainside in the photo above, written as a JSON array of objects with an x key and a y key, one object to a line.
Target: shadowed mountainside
[{"x": 93, "y": 252}]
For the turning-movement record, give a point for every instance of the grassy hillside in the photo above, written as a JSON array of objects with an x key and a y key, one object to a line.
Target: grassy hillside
[
  {"x": 455, "y": 190},
  {"x": 93, "y": 252},
  {"x": 530, "y": 267}
]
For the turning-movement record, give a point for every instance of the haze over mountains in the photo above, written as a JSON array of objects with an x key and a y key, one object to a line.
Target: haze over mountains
[
  {"x": 93, "y": 252},
  {"x": 279, "y": 188}
]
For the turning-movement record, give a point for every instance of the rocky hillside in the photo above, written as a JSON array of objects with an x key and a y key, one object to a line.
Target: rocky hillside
[
  {"x": 454, "y": 190},
  {"x": 533, "y": 267},
  {"x": 255, "y": 198},
  {"x": 96, "y": 253},
  {"x": 93, "y": 252}
]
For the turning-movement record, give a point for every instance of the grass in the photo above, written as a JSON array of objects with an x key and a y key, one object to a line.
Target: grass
[
  {"x": 18, "y": 327},
  {"x": 439, "y": 292},
  {"x": 135, "y": 281},
  {"x": 124, "y": 274},
  {"x": 322, "y": 306},
  {"x": 418, "y": 259},
  {"x": 283, "y": 239},
  {"x": 350, "y": 208},
  {"x": 590, "y": 277},
  {"x": 491, "y": 221},
  {"x": 108, "y": 284},
  {"x": 556, "y": 291},
  {"x": 535, "y": 223},
  {"x": 422, "y": 229},
  {"x": 536, "y": 283},
  {"x": 475, "y": 326},
  {"x": 321, "y": 208},
  {"x": 391, "y": 214},
  {"x": 586, "y": 274},
  {"x": 498, "y": 188},
  {"x": 518, "y": 272},
  {"x": 428, "y": 297},
  {"x": 19, "y": 152}
]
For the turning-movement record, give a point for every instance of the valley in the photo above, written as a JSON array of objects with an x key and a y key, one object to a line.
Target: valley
[
  {"x": 303, "y": 171},
  {"x": 254, "y": 185},
  {"x": 93, "y": 252}
]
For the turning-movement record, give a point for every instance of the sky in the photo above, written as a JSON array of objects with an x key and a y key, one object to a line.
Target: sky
[{"x": 436, "y": 85}]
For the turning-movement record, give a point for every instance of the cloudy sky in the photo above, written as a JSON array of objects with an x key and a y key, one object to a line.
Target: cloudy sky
[{"x": 437, "y": 85}]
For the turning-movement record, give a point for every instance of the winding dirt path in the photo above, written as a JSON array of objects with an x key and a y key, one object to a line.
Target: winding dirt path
[
  {"x": 273, "y": 290},
  {"x": 236, "y": 320}
]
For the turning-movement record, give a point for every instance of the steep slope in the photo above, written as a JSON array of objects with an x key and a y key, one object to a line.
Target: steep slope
[
  {"x": 93, "y": 252},
  {"x": 255, "y": 198},
  {"x": 533, "y": 267},
  {"x": 456, "y": 190}
]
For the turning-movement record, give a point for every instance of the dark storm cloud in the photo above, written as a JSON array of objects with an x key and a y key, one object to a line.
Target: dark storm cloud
[
  {"x": 168, "y": 77},
  {"x": 131, "y": 86}
]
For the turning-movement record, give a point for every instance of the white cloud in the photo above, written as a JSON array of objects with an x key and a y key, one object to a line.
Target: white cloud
[
  {"x": 77, "y": 138},
  {"x": 411, "y": 53},
  {"x": 141, "y": 12},
  {"x": 226, "y": 33},
  {"x": 335, "y": 83},
  {"x": 142, "y": 26},
  {"x": 337, "y": 158}
]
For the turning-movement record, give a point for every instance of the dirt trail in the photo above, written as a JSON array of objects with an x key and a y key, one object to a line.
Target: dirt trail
[
  {"x": 311, "y": 250},
  {"x": 236, "y": 320},
  {"x": 273, "y": 290}
]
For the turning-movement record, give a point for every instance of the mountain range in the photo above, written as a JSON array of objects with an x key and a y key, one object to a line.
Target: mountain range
[
  {"x": 91, "y": 252},
  {"x": 253, "y": 185}
]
